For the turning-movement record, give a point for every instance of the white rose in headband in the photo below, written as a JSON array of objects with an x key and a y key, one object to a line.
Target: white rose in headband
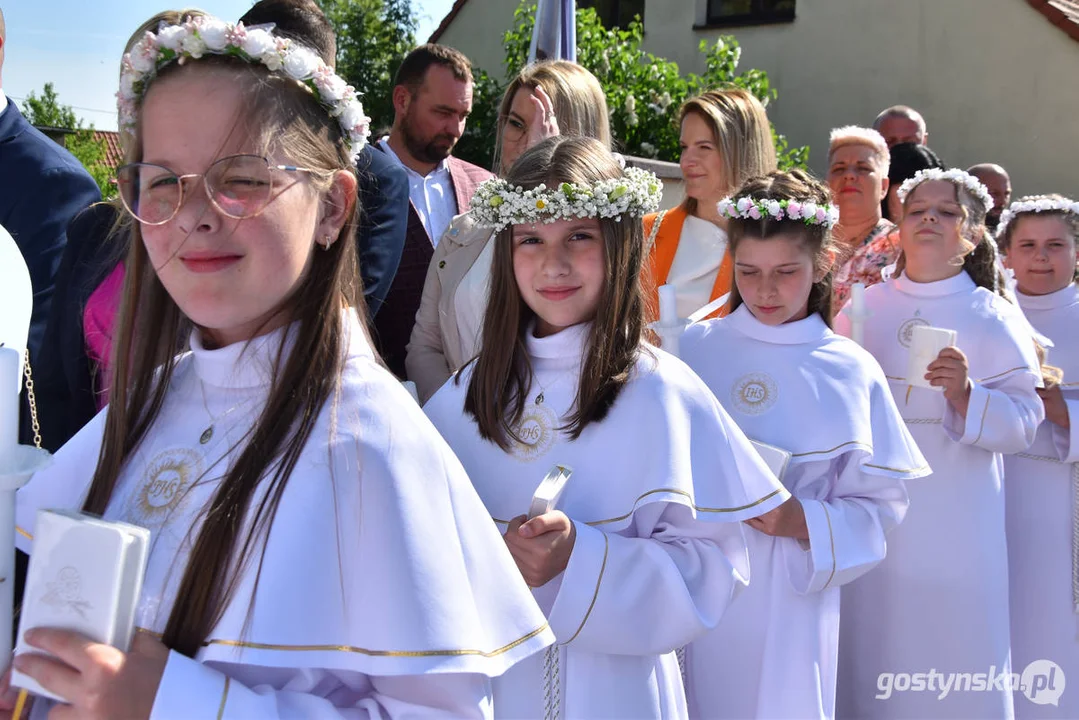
[
  {"x": 301, "y": 64},
  {"x": 171, "y": 36},
  {"x": 214, "y": 33},
  {"x": 331, "y": 87},
  {"x": 955, "y": 176},
  {"x": 194, "y": 46},
  {"x": 258, "y": 42},
  {"x": 193, "y": 39}
]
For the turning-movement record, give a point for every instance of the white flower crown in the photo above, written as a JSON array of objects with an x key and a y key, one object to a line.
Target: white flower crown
[
  {"x": 807, "y": 211},
  {"x": 209, "y": 35},
  {"x": 498, "y": 204},
  {"x": 1037, "y": 205},
  {"x": 954, "y": 176}
]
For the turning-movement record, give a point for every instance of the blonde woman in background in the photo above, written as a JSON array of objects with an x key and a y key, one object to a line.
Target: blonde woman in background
[
  {"x": 858, "y": 164},
  {"x": 545, "y": 99},
  {"x": 726, "y": 139}
]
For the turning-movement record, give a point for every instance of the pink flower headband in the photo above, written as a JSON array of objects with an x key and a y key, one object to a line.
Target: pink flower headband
[
  {"x": 209, "y": 35},
  {"x": 807, "y": 211}
]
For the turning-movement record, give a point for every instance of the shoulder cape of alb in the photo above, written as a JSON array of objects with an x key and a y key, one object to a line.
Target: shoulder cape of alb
[
  {"x": 418, "y": 580},
  {"x": 805, "y": 389},
  {"x": 667, "y": 435}
]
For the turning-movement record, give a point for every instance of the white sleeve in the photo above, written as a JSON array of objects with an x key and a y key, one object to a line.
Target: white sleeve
[
  {"x": 1067, "y": 441},
  {"x": 1002, "y": 416},
  {"x": 191, "y": 689},
  {"x": 846, "y": 529},
  {"x": 676, "y": 578}
]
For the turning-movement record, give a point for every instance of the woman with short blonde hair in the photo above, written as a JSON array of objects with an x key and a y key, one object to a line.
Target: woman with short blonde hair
[
  {"x": 725, "y": 139},
  {"x": 858, "y": 162},
  {"x": 545, "y": 99}
]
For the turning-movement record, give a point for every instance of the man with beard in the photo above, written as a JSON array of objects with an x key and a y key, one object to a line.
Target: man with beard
[
  {"x": 432, "y": 98},
  {"x": 999, "y": 184}
]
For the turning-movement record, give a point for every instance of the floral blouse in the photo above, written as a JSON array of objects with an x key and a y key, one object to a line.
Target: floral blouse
[{"x": 879, "y": 250}]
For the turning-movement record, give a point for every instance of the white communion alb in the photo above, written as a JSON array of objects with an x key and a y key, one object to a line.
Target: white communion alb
[
  {"x": 800, "y": 387},
  {"x": 658, "y": 492},
  {"x": 1042, "y": 491},
  {"x": 939, "y": 600},
  {"x": 384, "y": 591}
]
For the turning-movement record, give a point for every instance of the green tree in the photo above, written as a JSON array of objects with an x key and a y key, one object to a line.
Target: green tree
[
  {"x": 643, "y": 91},
  {"x": 48, "y": 111},
  {"x": 373, "y": 37}
]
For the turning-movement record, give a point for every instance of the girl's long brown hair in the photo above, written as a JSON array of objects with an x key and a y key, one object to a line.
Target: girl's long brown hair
[
  {"x": 502, "y": 375},
  {"x": 793, "y": 185},
  {"x": 282, "y": 116}
]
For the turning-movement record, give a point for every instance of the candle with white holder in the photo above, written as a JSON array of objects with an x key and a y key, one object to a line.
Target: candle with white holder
[
  {"x": 857, "y": 313},
  {"x": 17, "y": 462}
]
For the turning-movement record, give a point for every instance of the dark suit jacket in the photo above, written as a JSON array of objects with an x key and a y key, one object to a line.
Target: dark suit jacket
[
  {"x": 65, "y": 378},
  {"x": 42, "y": 186},
  {"x": 383, "y": 197},
  {"x": 393, "y": 325}
]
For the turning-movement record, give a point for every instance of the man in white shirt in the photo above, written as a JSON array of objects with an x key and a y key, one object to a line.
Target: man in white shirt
[{"x": 432, "y": 98}]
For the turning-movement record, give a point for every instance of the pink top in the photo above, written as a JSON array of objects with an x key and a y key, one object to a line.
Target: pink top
[{"x": 98, "y": 325}]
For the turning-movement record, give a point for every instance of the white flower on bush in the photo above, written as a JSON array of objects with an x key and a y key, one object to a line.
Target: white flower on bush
[
  {"x": 301, "y": 63},
  {"x": 648, "y": 149},
  {"x": 632, "y": 119},
  {"x": 631, "y": 104},
  {"x": 665, "y": 100},
  {"x": 215, "y": 33}
]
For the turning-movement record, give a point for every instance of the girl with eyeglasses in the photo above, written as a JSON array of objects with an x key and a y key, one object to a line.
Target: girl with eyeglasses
[{"x": 297, "y": 569}]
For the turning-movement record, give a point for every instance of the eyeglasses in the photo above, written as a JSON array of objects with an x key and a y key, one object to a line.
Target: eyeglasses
[{"x": 240, "y": 186}]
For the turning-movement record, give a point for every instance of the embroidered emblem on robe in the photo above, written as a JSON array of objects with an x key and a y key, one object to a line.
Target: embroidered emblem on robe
[
  {"x": 907, "y": 328},
  {"x": 537, "y": 431},
  {"x": 166, "y": 481},
  {"x": 754, "y": 394}
]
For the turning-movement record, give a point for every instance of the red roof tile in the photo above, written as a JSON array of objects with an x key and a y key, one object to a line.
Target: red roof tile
[
  {"x": 1062, "y": 13},
  {"x": 114, "y": 154},
  {"x": 445, "y": 24}
]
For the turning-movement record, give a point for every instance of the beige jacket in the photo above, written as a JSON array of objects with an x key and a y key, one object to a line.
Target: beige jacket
[{"x": 435, "y": 351}]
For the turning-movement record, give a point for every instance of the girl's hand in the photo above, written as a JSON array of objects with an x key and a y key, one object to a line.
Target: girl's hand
[
  {"x": 1056, "y": 410},
  {"x": 9, "y": 696},
  {"x": 98, "y": 680},
  {"x": 949, "y": 371},
  {"x": 787, "y": 520},
  {"x": 544, "y": 123},
  {"x": 541, "y": 546}
]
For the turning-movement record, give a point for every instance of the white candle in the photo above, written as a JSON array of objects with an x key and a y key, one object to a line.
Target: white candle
[
  {"x": 9, "y": 399},
  {"x": 668, "y": 305},
  {"x": 857, "y": 313}
]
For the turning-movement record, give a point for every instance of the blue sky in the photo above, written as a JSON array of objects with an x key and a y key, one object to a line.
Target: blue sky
[{"x": 76, "y": 45}]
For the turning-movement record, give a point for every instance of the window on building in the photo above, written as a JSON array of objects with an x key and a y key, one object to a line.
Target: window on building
[
  {"x": 749, "y": 12},
  {"x": 615, "y": 13}
]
